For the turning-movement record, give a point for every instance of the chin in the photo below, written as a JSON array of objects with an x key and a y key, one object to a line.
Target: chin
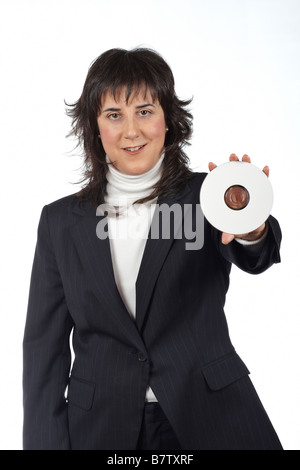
[{"x": 137, "y": 169}]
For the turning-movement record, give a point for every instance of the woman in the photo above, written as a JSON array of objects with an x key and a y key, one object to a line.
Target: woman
[{"x": 154, "y": 366}]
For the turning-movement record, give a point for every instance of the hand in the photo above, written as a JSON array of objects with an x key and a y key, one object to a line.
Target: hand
[{"x": 255, "y": 234}]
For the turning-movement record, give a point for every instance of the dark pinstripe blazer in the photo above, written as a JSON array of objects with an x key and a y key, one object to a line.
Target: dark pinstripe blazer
[{"x": 179, "y": 343}]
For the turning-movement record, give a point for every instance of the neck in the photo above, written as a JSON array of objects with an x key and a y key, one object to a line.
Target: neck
[{"x": 123, "y": 189}]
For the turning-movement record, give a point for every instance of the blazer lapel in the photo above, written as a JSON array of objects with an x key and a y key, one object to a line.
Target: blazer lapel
[
  {"x": 155, "y": 253},
  {"x": 96, "y": 260}
]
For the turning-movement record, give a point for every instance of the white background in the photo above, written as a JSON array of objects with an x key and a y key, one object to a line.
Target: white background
[{"x": 240, "y": 60}]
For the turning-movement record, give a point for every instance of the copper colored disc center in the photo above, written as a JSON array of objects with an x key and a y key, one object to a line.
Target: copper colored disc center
[{"x": 236, "y": 197}]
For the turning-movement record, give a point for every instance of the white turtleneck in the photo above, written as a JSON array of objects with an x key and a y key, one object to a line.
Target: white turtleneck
[{"x": 129, "y": 231}]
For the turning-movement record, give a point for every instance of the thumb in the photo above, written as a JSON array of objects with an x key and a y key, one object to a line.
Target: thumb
[{"x": 227, "y": 238}]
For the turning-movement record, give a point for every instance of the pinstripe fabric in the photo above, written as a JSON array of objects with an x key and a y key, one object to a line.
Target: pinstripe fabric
[{"x": 179, "y": 344}]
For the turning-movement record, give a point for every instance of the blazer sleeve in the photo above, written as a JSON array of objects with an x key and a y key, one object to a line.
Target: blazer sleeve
[
  {"x": 249, "y": 261},
  {"x": 47, "y": 356}
]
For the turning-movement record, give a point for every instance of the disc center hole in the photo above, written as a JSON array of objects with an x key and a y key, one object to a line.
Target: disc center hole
[{"x": 236, "y": 197}]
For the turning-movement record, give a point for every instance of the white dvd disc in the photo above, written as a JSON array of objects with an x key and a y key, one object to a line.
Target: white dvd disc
[{"x": 236, "y": 197}]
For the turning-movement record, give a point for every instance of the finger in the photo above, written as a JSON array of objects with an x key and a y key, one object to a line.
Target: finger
[
  {"x": 211, "y": 166},
  {"x": 227, "y": 238},
  {"x": 266, "y": 170},
  {"x": 246, "y": 158},
  {"x": 233, "y": 158}
]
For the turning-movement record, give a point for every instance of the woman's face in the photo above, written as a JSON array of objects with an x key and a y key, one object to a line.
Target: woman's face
[{"x": 133, "y": 133}]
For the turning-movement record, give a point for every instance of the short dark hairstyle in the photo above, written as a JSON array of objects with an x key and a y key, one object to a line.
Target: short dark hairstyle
[{"x": 135, "y": 69}]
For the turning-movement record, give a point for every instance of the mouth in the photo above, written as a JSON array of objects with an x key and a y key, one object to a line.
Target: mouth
[{"x": 134, "y": 150}]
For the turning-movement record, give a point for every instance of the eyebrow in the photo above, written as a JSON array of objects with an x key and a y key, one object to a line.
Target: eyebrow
[
  {"x": 145, "y": 105},
  {"x": 137, "y": 107}
]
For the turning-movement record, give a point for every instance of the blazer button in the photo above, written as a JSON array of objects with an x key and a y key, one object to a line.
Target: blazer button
[{"x": 142, "y": 357}]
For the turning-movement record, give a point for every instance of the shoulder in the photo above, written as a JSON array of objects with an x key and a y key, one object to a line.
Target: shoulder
[
  {"x": 60, "y": 210},
  {"x": 191, "y": 188},
  {"x": 195, "y": 182},
  {"x": 63, "y": 202}
]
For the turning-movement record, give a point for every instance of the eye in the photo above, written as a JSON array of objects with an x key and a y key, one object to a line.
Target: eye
[
  {"x": 145, "y": 112},
  {"x": 113, "y": 116}
]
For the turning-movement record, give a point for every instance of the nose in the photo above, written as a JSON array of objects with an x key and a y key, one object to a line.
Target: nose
[{"x": 131, "y": 128}]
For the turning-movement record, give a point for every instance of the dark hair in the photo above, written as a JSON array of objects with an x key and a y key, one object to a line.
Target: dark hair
[{"x": 135, "y": 70}]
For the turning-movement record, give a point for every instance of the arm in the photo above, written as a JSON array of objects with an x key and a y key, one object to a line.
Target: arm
[
  {"x": 47, "y": 356},
  {"x": 253, "y": 261},
  {"x": 253, "y": 252}
]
